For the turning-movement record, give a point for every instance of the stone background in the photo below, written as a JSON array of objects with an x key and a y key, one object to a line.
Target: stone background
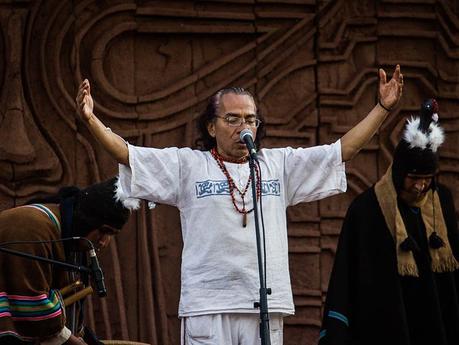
[{"x": 312, "y": 66}]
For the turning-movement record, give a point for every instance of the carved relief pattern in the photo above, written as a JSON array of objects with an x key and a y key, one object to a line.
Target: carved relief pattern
[{"x": 312, "y": 66}]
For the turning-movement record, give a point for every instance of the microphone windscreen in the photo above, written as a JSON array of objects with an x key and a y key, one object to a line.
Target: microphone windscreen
[{"x": 244, "y": 133}]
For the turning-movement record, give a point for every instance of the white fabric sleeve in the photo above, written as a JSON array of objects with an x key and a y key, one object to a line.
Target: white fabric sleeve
[
  {"x": 58, "y": 339},
  {"x": 152, "y": 174},
  {"x": 314, "y": 173}
]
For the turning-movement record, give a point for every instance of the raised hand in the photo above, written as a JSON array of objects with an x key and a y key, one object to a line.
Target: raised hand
[
  {"x": 84, "y": 101},
  {"x": 390, "y": 92}
]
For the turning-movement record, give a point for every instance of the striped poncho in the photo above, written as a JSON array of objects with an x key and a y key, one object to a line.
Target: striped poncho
[{"x": 31, "y": 306}]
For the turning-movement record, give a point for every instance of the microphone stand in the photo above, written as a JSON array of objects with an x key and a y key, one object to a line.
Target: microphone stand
[
  {"x": 264, "y": 292},
  {"x": 64, "y": 265}
]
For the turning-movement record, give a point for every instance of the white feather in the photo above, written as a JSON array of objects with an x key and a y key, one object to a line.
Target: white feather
[
  {"x": 131, "y": 204},
  {"x": 436, "y": 136},
  {"x": 120, "y": 195},
  {"x": 414, "y": 136}
]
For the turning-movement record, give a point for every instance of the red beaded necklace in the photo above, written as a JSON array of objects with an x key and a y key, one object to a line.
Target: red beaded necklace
[{"x": 232, "y": 186}]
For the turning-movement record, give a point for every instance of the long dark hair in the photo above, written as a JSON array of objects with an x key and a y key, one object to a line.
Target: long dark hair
[{"x": 205, "y": 141}]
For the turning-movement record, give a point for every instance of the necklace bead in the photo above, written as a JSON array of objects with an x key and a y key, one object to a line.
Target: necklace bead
[{"x": 232, "y": 186}]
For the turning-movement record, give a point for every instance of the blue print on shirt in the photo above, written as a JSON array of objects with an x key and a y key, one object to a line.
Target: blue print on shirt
[{"x": 221, "y": 187}]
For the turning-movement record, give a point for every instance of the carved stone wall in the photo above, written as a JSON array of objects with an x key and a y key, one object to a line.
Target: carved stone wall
[{"x": 312, "y": 66}]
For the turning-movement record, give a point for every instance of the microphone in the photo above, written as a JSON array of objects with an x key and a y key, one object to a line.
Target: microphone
[
  {"x": 246, "y": 136},
  {"x": 97, "y": 274}
]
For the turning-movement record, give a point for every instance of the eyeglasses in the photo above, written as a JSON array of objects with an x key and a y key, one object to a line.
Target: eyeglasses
[{"x": 236, "y": 121}]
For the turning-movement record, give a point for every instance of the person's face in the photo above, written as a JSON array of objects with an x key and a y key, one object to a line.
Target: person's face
[
  {"x": 101, "y": 237},
  {"x": 229, "y": 144},
  {"x": 415, "y": 187}
]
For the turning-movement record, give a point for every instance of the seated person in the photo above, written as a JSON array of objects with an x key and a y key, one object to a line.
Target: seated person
[{"x": 31, "y": 306}]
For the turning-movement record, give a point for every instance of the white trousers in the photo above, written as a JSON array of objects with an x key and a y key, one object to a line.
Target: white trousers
[{"x": 229, "y": 329}]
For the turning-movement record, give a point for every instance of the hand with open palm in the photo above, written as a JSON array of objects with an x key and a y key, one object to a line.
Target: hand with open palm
[
  {"x": 84, "y": 101},
  {"x": 390, "y": 92}
]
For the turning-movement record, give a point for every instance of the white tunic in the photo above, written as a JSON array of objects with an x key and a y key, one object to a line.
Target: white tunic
[{"x": 219, "y": 259}]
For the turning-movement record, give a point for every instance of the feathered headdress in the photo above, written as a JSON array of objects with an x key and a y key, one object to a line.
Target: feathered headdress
[
  {"x": 423, "y": 131},
  {"x": 417, "y": 151}
]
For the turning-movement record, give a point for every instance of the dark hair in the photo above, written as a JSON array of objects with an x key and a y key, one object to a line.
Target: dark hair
[
  {"x": 93, "y": 206},
  {"x": 97, "y": 205},
  {"x": 205, "y": 141}
]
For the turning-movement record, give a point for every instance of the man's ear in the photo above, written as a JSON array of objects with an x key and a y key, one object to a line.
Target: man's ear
[{"x": 211, "y": 129}]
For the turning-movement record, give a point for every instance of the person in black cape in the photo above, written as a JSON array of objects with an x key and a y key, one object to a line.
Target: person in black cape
[{"x": 395, "y": 278}]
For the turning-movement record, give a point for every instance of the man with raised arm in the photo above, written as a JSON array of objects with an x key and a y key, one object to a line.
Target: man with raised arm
[{"x": 211, "y": 188}]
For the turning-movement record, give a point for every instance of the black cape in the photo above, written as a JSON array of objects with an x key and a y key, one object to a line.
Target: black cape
[{"x": 368, "y": 302}]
